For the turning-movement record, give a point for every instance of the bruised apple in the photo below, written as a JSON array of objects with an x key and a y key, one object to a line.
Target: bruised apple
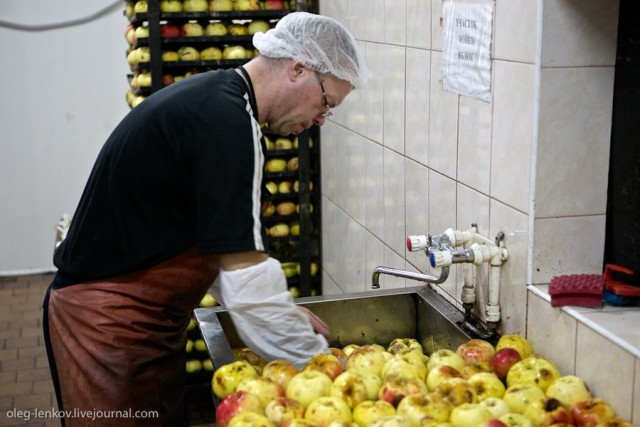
[
  {"x": 236, "y": 403},
  {"x": 394, "y": 389},
  {"x": 326, "y": 363},
  {"x": 476, "y": 350},
  {"x": 447, "y": 357},
  {"x": 569, "y": 389},
  {"x": 282, "y": 409},
  {"x": 323, "y": 410},
  {"x": 227, "y": 377},
  {"x": 349, "y": 387},
  {"x": 591, "y": 412},
  {"x": 457, "y": 391},
  {"x": 279, "y": 371},
  {"x": 401, "y": 367},
  {"x": 264, "y": 388},
  {"x": 533, "y": 370},
  {"x": 401, "y": 345},
  {"x": 548, "y": 411},
  {"x": 487, "y": 384},
  {"x": 439, "y": 374},
  {"x": 520, "y": 396},
  {"x": 366, "y": 357},
  {"x": 418, "y": 406},
  {"x": 372, "y": 381}
]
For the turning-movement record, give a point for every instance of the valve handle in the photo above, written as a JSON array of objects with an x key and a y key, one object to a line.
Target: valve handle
[{"x": 417, "y": 243}]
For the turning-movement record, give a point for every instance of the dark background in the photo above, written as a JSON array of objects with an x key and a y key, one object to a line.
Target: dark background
[{"x": 622, "y": 242}]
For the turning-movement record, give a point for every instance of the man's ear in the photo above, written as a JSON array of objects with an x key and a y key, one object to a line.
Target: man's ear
[{"x": 296, "y": 70}]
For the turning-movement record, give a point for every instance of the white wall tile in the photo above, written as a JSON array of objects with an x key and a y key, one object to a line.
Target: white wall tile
[
  {"x": 575, "y": 132},
  {"x": 554, "y": 238},
  {"x": 443, "y": 123},
  {"x": 552, "y": 333},
  {"x": 394, "y": 97},
  {"x": 436, "y": 25},
  {"x": 416, "y": 144},
  {"x": 373, "y": 107},
  {"x": 395, "y": 22},
  {"x": 394, "y": 200},
  {"x": 512, "y": 129},
  {"x": 474, "y": 143},
  {"x": 587, "y": 29},
  {"x": 419, "y": 23},
  {"x": 374, "y": 188},
  {"x": 515, "y": 36},
  {"x": 614, "y": 383}
]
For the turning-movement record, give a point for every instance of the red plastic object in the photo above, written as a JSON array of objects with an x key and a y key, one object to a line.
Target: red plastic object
[
  {"x": 583, "y": 290},
  {"x": 618, "y": 287}
]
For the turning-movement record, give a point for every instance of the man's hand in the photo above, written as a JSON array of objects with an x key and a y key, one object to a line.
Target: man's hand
[{"x": 317, "y": 323}]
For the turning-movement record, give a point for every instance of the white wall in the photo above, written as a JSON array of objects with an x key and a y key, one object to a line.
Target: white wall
[{"x": 62, "y": 91}]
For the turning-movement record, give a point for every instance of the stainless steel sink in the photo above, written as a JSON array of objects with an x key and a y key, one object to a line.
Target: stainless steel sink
[{"x": 360, "y": 318}]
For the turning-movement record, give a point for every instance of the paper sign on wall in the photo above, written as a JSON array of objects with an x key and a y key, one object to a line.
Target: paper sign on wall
[{"x": 466, "y": 51}]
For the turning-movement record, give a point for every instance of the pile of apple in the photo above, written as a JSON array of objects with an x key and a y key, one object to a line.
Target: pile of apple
[
  {"x": 476, "y": 385},
  {"x": 177, "y": 6}
]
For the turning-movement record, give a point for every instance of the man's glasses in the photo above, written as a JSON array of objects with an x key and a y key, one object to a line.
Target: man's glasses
[{"x": 325, "y": 102}]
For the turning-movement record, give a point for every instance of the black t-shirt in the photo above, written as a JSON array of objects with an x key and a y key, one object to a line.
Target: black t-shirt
[{"x": 182, "y": 169}]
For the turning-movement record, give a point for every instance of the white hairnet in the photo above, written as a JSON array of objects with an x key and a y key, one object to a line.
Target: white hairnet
[{"x": 318, "y": 42}]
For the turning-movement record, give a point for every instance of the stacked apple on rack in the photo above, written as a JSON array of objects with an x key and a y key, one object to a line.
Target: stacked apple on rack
[{"x": 475, "y": 385}]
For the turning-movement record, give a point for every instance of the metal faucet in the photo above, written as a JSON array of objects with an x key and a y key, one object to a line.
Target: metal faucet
[{"x": 375, "y": 278}]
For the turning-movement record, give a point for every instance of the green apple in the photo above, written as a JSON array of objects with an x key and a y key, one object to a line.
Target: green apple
[
  {"x": 391, "y": 421},
  {"x": 208, "y": 300},
  {"x": 400, "y": 366},
  {"x": 294, "y": 229},
  {"x": 144, "y": 79},
  {"x": 199, "y": 345},
  {"x": 264, "y": 388},
  {"x": 366, "y": 357},
  {"x": 189, "y": 346},
  {"x": 142, "y": 32},
  {"x": 272, "y": 187},
  {"x": 192, "y": 29},
  {"x": 193, "y": 366},
  {"x": 516, "y": 420},
  {"x": 402, "y": 345},
  {"x": 280, "y": 229}
]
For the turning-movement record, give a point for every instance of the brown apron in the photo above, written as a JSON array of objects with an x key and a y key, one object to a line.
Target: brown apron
[{"x": 118, "y": 344}]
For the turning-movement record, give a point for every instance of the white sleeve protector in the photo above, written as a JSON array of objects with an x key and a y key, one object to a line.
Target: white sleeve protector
[{"x": 264, "y": 314}]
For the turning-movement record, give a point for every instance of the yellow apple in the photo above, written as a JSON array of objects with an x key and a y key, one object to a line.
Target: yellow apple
[
  {"x": 569, "y": 389},
  {"x": 216, "y": 29},
  {"x": 370, "y": 410},
  {"x": 170, "y": 6},
  {"x": 227, "y": 377},
  {"x": 272, "y": 187},
  {"x": 533, "y": 370},
  {"x": 234, "y": 52},
  {"x": 142, "y": 32},
  {"x": 487, "y": 384},
  {"x": 258, "y": 26},
  {"x": 306, "y": 386},
  {"x": 170, "y": 56},
  {"x": 286, "y": 208},
  {"x": 193, "y": 366},
  {"x": 517, "y": 342},
  {"x": 237, "y": 30},
  {"x": 208, "y": 300},
  {"x": 275, "y": 165},
  {"x": 514, "y": 419},
  {"x": 496, "y": 405},
  {"x": 292, "y": 164},
  {"x": 349, "y": 387},
  {"x": 418, "y": 406},
  {"x": 188, "y": 53},
  {"x": 283, "y": 144},
  {"x": 144, "y": 79},
  {"x": 294, "y": 228},
  {"x": 280, "y": 229},
  {"x": 470, "y": 415},
  {"x": 519, "y": 396},
  {"x": 195, "y": 5},
  {"x": 192, "y": 29},
  {"x": 141, "y": 6},
  {"x": 221, "y": 5},
  {"x": 445, "y": 356},
  {"x": 211, "y": 53}
]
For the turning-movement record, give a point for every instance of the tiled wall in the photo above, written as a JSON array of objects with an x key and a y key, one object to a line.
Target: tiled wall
[{"x": 402, "y": 156}]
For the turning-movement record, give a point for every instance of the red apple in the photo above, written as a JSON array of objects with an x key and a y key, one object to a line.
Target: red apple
[
  {"x": 274, "y": 5},
  {"x": 393, "y": 389},
  {"x": 324, "y": 362},
  {"x": 167, "y": 79},
  {"x": 169, "y": 30},
  {"x": 476, "y": 350},
  {"x": 591, "y": 412},
  {"x": 503, "y": 360},
  {"x": 236, "y": 403}
]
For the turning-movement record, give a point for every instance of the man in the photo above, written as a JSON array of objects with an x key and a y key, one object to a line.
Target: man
[{"x": 172, "y": 204}]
